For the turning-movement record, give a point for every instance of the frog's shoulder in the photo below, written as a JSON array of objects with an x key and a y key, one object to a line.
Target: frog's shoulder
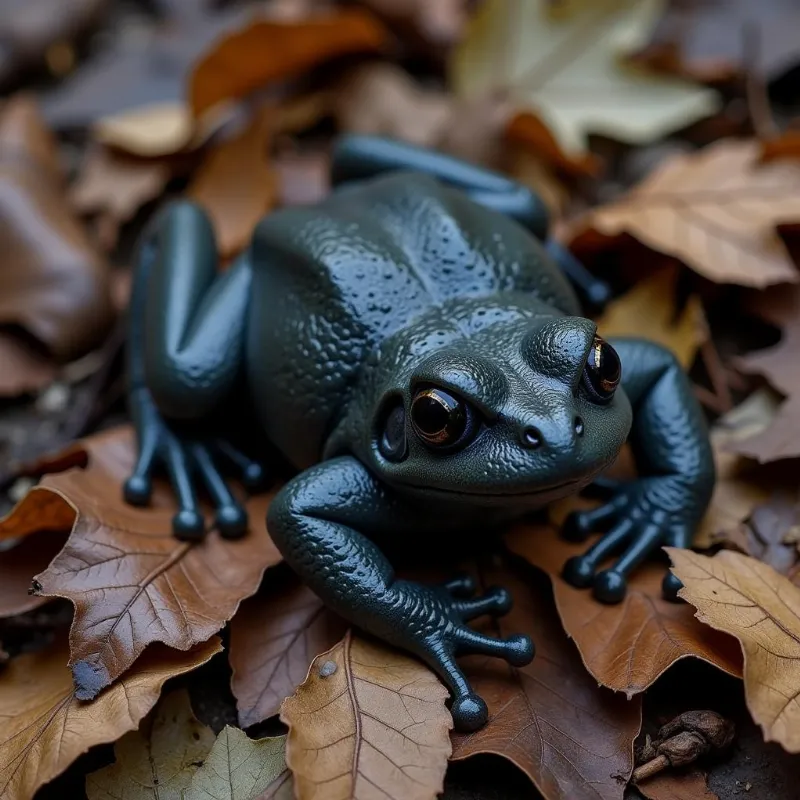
[{"x": 387, "y": 249}]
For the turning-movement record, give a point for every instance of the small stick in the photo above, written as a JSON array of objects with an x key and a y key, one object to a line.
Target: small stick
[{"x": 649, "y": 769}]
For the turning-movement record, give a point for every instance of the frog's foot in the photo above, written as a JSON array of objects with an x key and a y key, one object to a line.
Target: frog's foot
[
  {"x": 185, "y": 459},
  {"x": 642, "y": 517},
  {"x": 431, "y": 622}
]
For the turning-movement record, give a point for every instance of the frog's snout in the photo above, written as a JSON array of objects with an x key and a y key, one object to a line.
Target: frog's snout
[{"x": 556, "y": 435}]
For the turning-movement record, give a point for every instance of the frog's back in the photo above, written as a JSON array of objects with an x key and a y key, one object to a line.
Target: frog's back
[{"x": 331, "y": 282}]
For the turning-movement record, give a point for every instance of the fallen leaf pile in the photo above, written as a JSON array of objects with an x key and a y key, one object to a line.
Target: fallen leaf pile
[{"x": 661, "y": 134}]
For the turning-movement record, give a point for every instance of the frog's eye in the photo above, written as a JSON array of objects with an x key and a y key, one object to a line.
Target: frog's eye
[
  {"x": 393, "y": 444},
  {"x": 439, "y": 418},
  {"x": 602, "y": 372}
]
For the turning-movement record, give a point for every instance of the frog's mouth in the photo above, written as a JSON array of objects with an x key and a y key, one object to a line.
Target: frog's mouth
[{"x": 570, "y": 486}]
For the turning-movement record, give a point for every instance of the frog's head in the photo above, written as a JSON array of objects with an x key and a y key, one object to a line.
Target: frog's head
[{"x": 531, "y": 411}]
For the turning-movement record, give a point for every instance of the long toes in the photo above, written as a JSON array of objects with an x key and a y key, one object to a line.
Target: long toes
[
  {"x": 188, "y": 525},
  {"x": 137, "y": 490},
  {"x": 580, "y": 524},
  {"x": 463, "y": 585},
  {"x": 231, "y": 521},
  {"x": 517, "y": 650},
  {"x": 252, "y": 474},
  {"x": 610, "y": 586},
  {"x": 469, "y": 711},
  {"x": 670, "y": 587},
  {"x": 578, "y": 571},
  {"x": 495, "y": 601}
]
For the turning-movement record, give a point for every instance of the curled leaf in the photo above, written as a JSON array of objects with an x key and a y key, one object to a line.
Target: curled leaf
[
  {"x": 274, "y": 638},
  {"x": 131, "y": 582},
  {"x": 749, "y": 600},
  {"x": 572, "y": 738},
  {"x": 45, "y": 728},
  {"x": 627, "y": 646},
  {"x": 367, "y": 720},
  {"x": 266, "y": 51}
]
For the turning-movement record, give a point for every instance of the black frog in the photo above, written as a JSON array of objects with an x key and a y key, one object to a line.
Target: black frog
[{"x": 412, "y": 349}]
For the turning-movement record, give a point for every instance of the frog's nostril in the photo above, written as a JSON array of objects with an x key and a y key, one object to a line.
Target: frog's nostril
[
  {"x": 532, "y": 438},
  {"x": 579, "y": 426}
]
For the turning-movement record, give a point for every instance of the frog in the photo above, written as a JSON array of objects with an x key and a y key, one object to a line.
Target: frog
[{"x": 413, "y": 346}]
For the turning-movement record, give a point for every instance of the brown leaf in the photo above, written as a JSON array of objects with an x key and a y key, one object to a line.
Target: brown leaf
[
  {"x": 367, "y": 721},
  {"x": 780, "y": 365},
  {"x": 440, "y": 23},
  {"x": 236, "y": 184},
  {"x": 23, "y": 368},
  {"x": 53, "y": 284},
  {"x": 786, "y": 145},
  {"x": 572, "y": 738},
  {"x": 131, "y": 581},
  {"x": 749, "y": 600},
  {"x": 19, "y": 564},
  {"x": 717, "y": 210},
  {"x": 112, "y": 187},
  {"x": 649, "y": 310},
  {"x": 267, "y": 51},
  {"x": 274, "y": 638},
  {"x": 692, "y": 785},
  {"x": 160, "y": 758},
  {"x": 629, "y": 645},
  {"x": 45, "y": 728}
]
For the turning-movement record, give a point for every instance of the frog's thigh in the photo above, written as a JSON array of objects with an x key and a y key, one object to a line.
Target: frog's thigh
[{"x": 316, "y": 521}]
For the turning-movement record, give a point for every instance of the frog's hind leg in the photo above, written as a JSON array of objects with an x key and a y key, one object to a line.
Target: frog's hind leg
[
  {"x": 317, "y": 520},
  {"x": 186, "y": 332},
  {"x": 357, "y": 157}
]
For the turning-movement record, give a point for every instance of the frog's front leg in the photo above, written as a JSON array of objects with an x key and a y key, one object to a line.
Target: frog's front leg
[
  {"x": 185, "y": 349},
  {"x": 319, "y": 521},
  {"x": 676, "y": 467}
]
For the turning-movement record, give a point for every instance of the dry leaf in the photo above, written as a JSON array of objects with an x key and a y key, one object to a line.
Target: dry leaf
[
  {"x": 236, "y": 184},
  {"x": 19, "y": 564},
  {"x": 53, "y": 284},
  {"x": 692, "y": 785},
  {"x": 159, "y": 759},
  {"x": 440, "y": 23},
  {"x": 565, "y": 68},
  {"x": 274, "y": 638},
  {"x": 23, "y": 368},
  {"x": 45, "y": 728},
  {"x": 717, "y": 210},
  {"x": 629, "y": 645},
  {"x": 786, "y": 145},
  {"x": 266, "y": 51},
  {"x": 572, "y": 738},
  {"x": 238, "y": 768},
  {"x": 749, "y": 600},
  {"x": 368, "y": 721},
  {"x": 112, "y": 187},
  {"x": 648, "y": 311},
  {"x": 131, "y": 581},
  {"x": 780, "y": 365}
]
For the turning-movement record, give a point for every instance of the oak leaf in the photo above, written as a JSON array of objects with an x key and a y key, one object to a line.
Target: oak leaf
[
  {"x": 130, "y": 580},
  {"x": 716, "y": 210},
  {"x": 649, "y": 311},
  {"x": 159, "y": 759},
  {"x": 239, "y": 768},
  {"x": 751, "y": 601},
  {"x": 691, "y": 785},
  {"x": 265, "y": 51},
  {"x": 571, "y": 737},
  {"x": 780, "y": 365},
  {"x": 53, "y": 284},
  {"x": 45, "y": 728},
  {"x": 18, "y": 565},
  {"x": 237, "y": 185},
  {"x": 275, "y": 636},
  {"x": 367, "y": 721},
  {"x": 566, "y": 70},
  {"x": 627, "y": 646}
]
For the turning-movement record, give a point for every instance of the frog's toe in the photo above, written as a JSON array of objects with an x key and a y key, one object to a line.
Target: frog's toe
[
  {"x": 670, "y": 587},
  {"x": 231, "y": 518},
  {"x": 138, "y": 489},
  {"x": 469, "y": 712},
  {"x": 463, "y": 585},
  {"x": 578, "y": 571},
  {"x": 252, "y": 474},
  {"x": 188, "y": 525},
  {"x": 517, "y": 650},
  {"x": 579, "y": 525},
  {"x": 610, "y": 586},
  {"x": 495, "y": 601}
]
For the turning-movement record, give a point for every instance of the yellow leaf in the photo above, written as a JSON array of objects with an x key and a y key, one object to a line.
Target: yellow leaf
[
  {"x": 748, "y": 599},
  {"x": 566, "y": 68},
  {"x": 368, "y": 721},
  {"x": 648, "y": 311}
]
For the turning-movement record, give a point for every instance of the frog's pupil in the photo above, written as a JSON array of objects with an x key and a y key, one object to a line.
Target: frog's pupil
[
  {"x": 439, "y": 418},
  {"x": 431, "y": 415}
]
